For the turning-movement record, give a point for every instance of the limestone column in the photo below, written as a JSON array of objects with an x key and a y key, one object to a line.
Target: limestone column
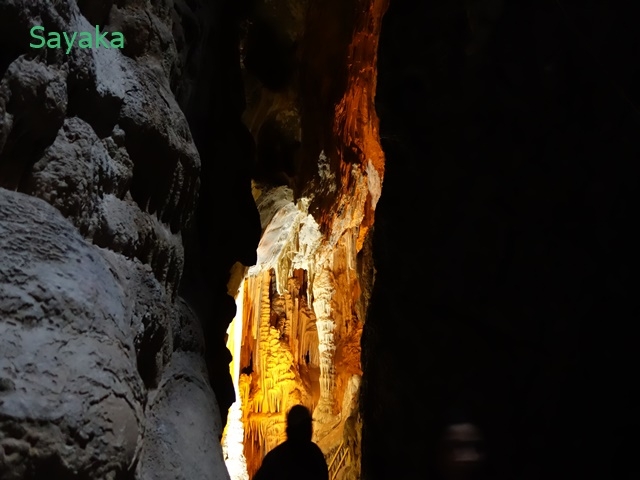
[{"x": 323, "y": 290}]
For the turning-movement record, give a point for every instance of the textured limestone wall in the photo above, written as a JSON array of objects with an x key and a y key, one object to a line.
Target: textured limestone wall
[{"x": 102, "y": 365}]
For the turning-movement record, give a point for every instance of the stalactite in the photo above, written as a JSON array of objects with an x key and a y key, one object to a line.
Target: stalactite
[{"x": 288, "y": 333}]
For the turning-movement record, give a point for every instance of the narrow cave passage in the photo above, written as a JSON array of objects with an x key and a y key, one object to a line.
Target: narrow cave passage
[
  {"x": 309, "y": 74},
  {"x": 494, "y": 122}
]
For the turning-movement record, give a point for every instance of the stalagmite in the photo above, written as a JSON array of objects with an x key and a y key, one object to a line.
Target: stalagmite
[{"x": 323, "y": 296}]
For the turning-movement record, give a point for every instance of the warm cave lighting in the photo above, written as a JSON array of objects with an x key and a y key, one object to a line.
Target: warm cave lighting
[
  {"x": 233, "y": 436},
  {"x": 300, "y": 307},
  {"x": 294, "y": 340}
]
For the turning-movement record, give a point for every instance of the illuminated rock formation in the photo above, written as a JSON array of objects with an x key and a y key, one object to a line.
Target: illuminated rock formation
[{"x": 317, "y": 182}]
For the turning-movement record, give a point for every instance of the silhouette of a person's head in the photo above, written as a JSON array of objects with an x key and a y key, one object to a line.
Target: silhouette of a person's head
[{"x": 299, "y": 424}]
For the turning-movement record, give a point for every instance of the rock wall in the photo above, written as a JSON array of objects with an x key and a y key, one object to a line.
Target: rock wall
[{"x": 103, "y": 368}]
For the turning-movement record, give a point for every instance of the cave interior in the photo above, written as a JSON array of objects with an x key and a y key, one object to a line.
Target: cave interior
[{"x": 480, "y": 154}]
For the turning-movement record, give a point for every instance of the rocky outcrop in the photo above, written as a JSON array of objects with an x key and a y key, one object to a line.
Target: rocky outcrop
[
  {"x": 103, "y": 368},
  {"x": 73, "y": 401},
  {"x": 183, "y": 419}
]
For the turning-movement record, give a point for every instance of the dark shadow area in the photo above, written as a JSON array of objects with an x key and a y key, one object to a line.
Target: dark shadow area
[
  {"x": 504, "y": 239},
  {"x": 269, "y": 56},
  {"x": 227, "y": 226}
]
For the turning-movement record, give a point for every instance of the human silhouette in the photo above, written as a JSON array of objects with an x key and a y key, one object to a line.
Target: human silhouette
[{"x": 297, "y": 458}]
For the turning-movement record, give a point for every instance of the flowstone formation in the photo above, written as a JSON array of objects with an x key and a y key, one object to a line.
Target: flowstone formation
[
  {"x": 309, "y": 73},
  {"x": 300, "y": 330},
  {"x": 102, "y": 366}
]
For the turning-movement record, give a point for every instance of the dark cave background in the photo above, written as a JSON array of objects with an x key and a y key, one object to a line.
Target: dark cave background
[
  {"x": 504, "y": 239},
  {"x": 511, "y": 154},
  {"x": 227, "y": 228}
]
